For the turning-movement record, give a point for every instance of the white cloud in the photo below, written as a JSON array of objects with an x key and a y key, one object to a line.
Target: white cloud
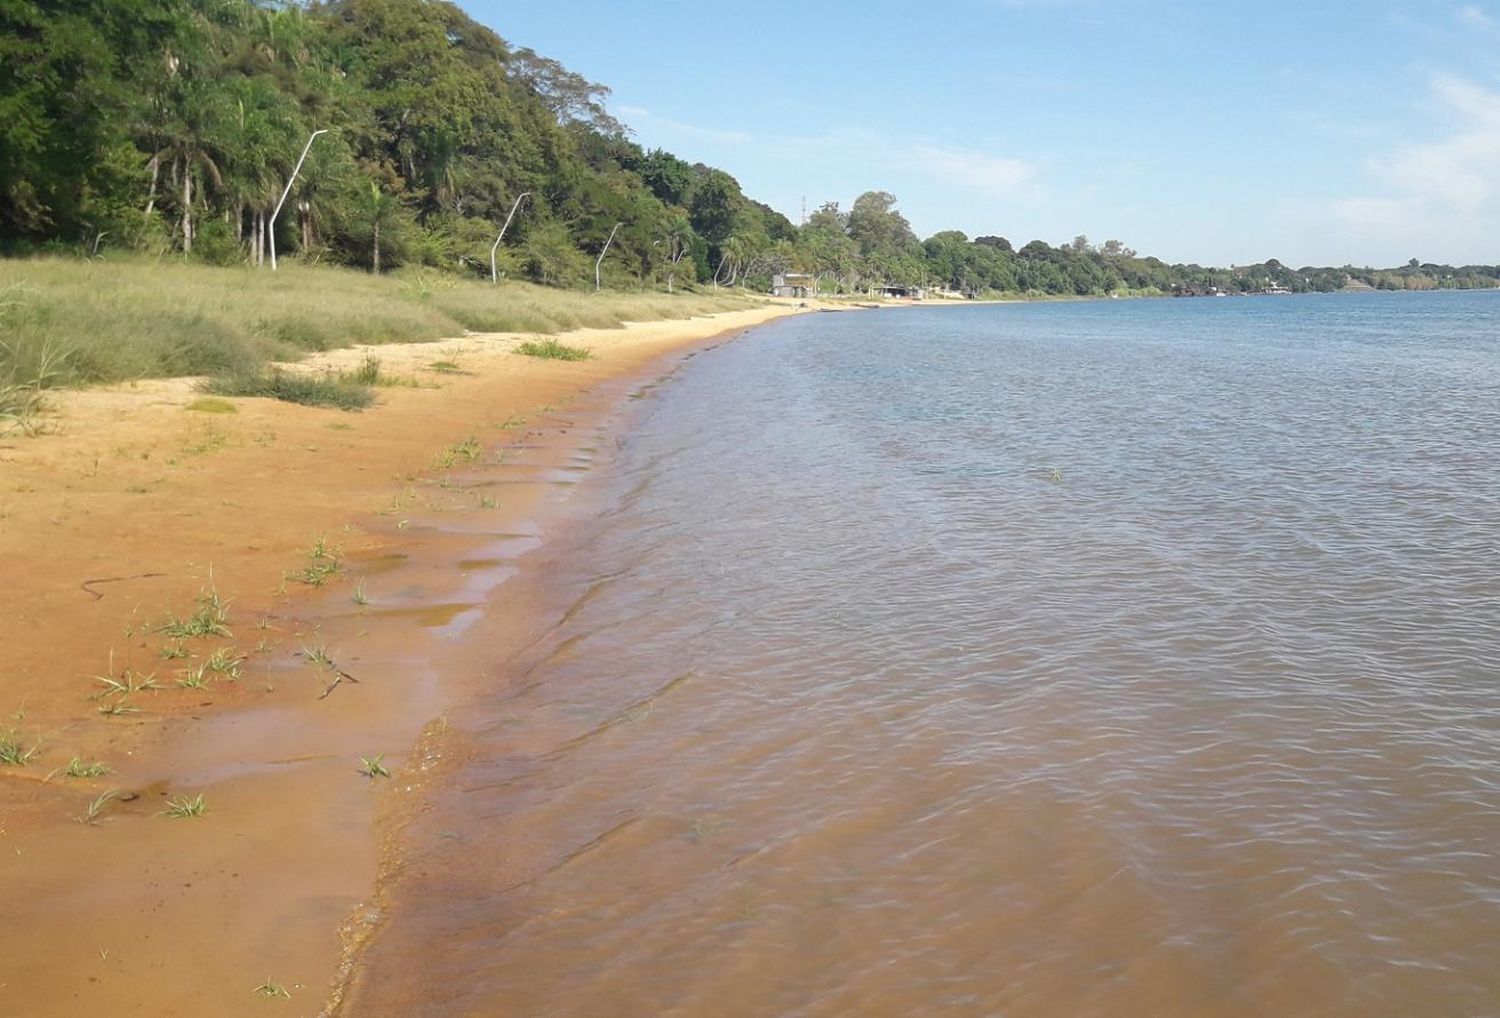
[
  {"x": 940, "y": 184},
  {"x": 994, "y": 176},
  {"x": 1474, "y": 16},
  {"x": 677, "y": 127},
  {"x": 877, "y": 154},
  {"x": 1440, "y": 195}
]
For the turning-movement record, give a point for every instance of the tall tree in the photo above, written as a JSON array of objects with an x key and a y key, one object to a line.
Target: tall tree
[
  {"x": 876, "y": 226},
  {"x": 66, "y": 72},
  {"x": 378, "y": 217},
  {"x": 571, "y": 97}
]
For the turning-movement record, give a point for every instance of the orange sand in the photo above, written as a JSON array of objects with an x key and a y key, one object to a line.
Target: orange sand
[{"x": 131, "y": 506}]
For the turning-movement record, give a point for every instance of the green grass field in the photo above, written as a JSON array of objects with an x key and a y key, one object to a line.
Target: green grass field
[{"x": 79, "y": 322}]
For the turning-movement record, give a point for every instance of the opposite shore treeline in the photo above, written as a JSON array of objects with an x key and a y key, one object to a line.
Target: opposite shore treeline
[{"x": 171, "y": 127}]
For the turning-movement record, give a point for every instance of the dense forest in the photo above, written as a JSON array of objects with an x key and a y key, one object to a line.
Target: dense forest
[{"x": 171, "y": 127}]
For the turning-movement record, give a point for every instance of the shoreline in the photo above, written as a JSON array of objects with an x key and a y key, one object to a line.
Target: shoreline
[{"x": 117, "y": 522}]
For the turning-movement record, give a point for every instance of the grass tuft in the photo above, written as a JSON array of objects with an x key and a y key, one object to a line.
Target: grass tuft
[
  {"x": 226, "y": 663},
  {"x": 194, "y": 678},
  {"x": 94, "y": 808},
  {"x": 23, "y": 400},
  {"x": 318, "y": 655},
  {"x": 368, "y": 372},
  {"x": 324, "y": 562},
  {"x": 77, "y": 768},
  {"x": 325, "y": 390},
  {"x": 466, "y": 451},
  {"x": 210, "y": 618},
  {"x": 15, "y": 753},
  {"x": 272, "y": 989},
  {"x": 374, "y": 766},
  {"x": 182, "y": 808},
  {"x": 551, "y": 349},
  {"x": 130, "y": 681}
]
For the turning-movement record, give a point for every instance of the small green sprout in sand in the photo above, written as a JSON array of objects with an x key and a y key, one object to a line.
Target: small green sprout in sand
[
  {"x": 271, "y": 989},
  {"x": 13, "y": 752},
  {"x": 226, "y": 663},
  {"x": 374, "y": 766},
  {"x": 210, "y": 618},
  {"x": 94, "y": 808},
  {"x": 194, "y": 678},
  {"x": 130, "y": 681},
  {"x": 181, "y": 807},
  {"x": 77, "y": 768},
  {"x": 323, "y": 563},
  {"x": 466, "y": 451},
  {"x": 318, "y": 655}
]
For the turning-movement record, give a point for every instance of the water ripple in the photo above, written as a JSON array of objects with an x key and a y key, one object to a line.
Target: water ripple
[{"x": 1088, "y": 660}]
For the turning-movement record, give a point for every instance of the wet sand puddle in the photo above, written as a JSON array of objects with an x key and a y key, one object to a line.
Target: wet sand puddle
[{"x": 1038, "y": 675}]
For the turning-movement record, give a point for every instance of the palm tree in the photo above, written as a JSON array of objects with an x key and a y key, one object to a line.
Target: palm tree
[
  {"x": 732, "y": 254},
  {"x": 675, "y": 242},
  {"x": 258, "y": 158},
  {"x": 190, "y": 137},
  {"x": 377, "y": 211}
]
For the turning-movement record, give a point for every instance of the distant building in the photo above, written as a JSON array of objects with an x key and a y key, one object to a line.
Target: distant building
[
  {"x": 893, "y": 292},
  {"x": 792, "y": 284}
]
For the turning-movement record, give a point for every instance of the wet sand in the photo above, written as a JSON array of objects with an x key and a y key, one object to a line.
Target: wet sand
[{"x": 131, "y": 508}]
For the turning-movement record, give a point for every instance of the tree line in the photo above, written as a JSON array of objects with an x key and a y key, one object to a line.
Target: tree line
[{"x": 173, "y": 127}]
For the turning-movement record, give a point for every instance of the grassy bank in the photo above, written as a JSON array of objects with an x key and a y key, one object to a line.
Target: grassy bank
[{"x": 80, "y": 322}]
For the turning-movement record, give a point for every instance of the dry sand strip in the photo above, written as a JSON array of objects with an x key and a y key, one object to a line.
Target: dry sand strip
[{"x": 361, "y": 557}]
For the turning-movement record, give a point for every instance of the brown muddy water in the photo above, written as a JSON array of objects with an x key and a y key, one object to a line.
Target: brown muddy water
[{"x": 1126, "y": 659}]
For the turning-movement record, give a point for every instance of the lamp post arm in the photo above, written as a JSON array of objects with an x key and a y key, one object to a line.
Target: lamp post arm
[
  {"x": 494, "y": 275},
  {"x": 600, "y": 260},
  {"x": 271, "y": 226}
]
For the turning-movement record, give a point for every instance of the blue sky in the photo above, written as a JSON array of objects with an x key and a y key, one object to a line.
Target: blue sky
[{"x": 1319, "y": 132}]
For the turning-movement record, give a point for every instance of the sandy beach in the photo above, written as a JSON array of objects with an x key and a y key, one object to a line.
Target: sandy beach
[
  {"x": 456, "y": 561},
  {"x": 355, "y": 557}
]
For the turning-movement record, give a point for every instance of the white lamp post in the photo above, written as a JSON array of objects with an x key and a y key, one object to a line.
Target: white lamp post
[
  {"x": 600, "y": 260},
  {"x": 271, "y": 227},
  {"x": 495, "y": 276}
]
